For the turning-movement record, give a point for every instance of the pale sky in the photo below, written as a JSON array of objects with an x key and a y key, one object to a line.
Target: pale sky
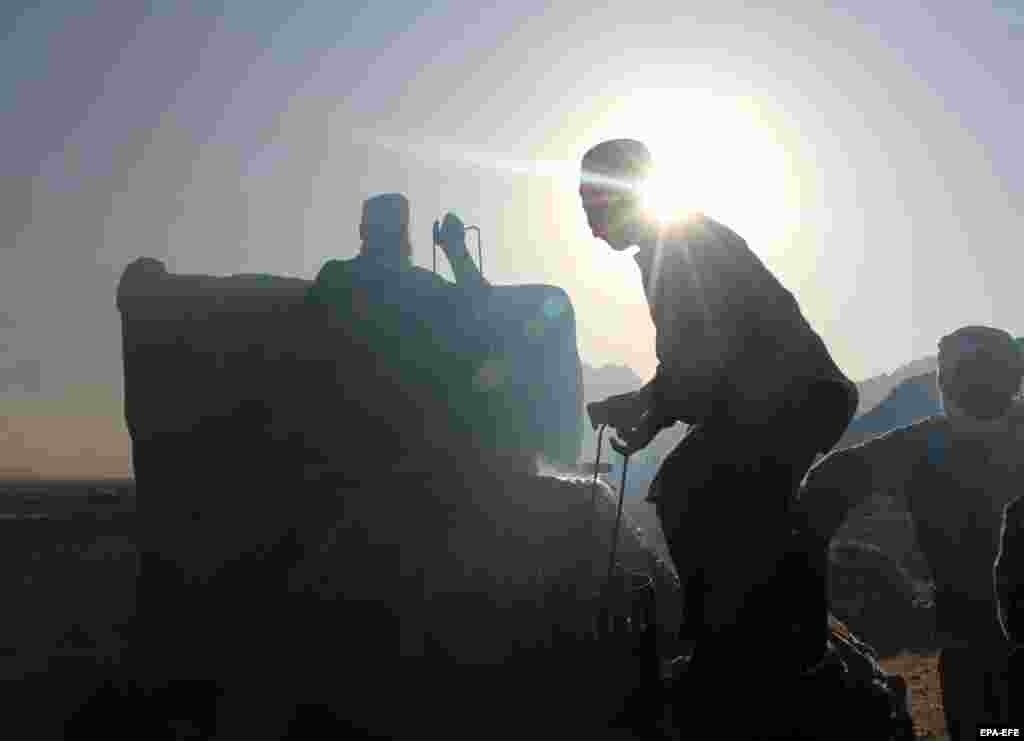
[{"x": 871, "y": 155}]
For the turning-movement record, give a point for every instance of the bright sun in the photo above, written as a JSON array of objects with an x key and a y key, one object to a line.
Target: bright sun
[
  {"x": 711, "y": 154},
  {"x": 660, "y": 199}
]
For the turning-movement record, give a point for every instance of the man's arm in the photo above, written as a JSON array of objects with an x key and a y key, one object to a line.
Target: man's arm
[
  {"x": 621, "y": 411},
  {"x": 844, "y": 479},
  {"x": 683, "y": 392},
  {"x": 651, "y": 398},
  {"x": 690, "y": 346},
  {"x": 467, "y": 275},
  {"x": 452, "y": 238}
]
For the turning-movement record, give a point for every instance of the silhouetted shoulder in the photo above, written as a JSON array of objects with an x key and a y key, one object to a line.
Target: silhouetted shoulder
[
  {"x": 698, "y": 233},
  {"x": 701, "y": 257},
  {"x": 931, "y": 430},
  {"x": 331, "y": 274},
  {"x": 698, "y": 226},
  {"x": 936, "y": 424},
  {"x": 332, "y": 268},
  {"x": 883, "y": 461},
  {"x": 722, "y": 231}
]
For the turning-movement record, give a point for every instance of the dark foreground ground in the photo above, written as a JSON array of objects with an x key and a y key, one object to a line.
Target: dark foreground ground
[{"x": 68, "y": 572}]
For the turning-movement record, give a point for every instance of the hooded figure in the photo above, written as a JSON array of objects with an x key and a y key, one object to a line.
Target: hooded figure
[
  {"x": 954, "y": 472},
  {"x": 739, "y": 362}
]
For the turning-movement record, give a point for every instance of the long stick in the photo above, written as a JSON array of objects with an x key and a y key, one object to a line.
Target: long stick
[
  {"x": 479, "y": 249},
  {"x": 597, "y": 467},
  {"x": 585, "y": 562},
  {"x": 618, "y": 520}
]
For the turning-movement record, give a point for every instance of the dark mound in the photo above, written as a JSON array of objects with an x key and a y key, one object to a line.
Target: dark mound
[{"x": 912, "y": 400}]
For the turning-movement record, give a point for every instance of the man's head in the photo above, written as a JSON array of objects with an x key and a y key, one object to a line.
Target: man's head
[
  {"x": 611, "y": 175},
  {"x": 980, "y": 371},
  {"x": 384, "y": 229}
]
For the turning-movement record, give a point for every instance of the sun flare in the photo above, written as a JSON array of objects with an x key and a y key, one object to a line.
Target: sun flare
[
  {"x": 661, "y": 199},
  {"x": 716, "y": 155}
]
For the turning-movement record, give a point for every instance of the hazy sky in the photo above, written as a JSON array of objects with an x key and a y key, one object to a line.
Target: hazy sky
[{"x": 871, "y": 155}]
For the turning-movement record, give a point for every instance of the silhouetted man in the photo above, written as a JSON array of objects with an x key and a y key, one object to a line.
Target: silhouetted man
[
  {"x": 501, "y": 357},
  {"x": 385, "y": 254},
  {"x": 422, "y": 339},
  {"x": 739, "y": 362},
  {"x": 954, "y": 472}
]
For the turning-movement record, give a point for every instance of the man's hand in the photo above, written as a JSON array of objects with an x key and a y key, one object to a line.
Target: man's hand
[
  {"x": 638, "y": 437},
  {"x": 622, "y": 411},
  {"x": 452, "y": 233}
]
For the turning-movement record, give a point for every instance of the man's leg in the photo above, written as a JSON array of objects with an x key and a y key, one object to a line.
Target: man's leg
[
  {"x": 732, "y": 552},
  {"x": 975, "y": 689},
  {"x": 739, "y": 533},
  {"x": 748, "y": 516},
  {"x": 696, "y": 689},
  {"x": 998, "y": 702},
  {"x": 963, "y": 692},
  {"x": 679, "y": 486},
  {"x": 767, "y": 586}
]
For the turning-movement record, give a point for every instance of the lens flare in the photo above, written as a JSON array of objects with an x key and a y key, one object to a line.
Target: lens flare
[{"x": 665, "y": 200}]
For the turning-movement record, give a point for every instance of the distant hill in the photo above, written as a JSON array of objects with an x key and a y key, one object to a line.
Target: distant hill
[
  {"x": 913, "y": 399},
  {"x": 873, "y": 390}
]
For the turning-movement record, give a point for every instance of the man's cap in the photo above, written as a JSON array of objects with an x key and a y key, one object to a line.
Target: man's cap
[
  {"x": 982, "y": 367},
  {"x": 616, "y": 162},
  {"x": 996, "y": 344},
  {"x": 387, "y": 213}
]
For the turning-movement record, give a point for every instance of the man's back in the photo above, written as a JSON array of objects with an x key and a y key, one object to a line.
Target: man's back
[
  {"x": 390, "y": 281},
  {"x": 707, "y": 288}
]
